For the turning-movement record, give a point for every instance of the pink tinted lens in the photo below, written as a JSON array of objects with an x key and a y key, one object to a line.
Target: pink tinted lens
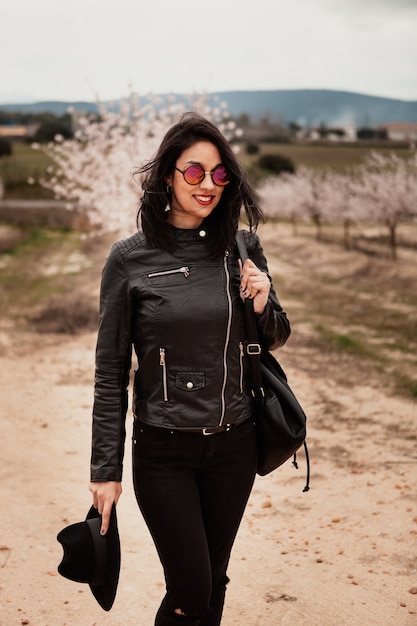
[
  {"x": 220, "y": 176},
  {"x": 193, "y": 174}
]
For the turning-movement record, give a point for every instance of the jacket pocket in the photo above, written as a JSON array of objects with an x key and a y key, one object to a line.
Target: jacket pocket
[
  {"x": 185, "y": 271},
  {"x": 190, "y": 381}
]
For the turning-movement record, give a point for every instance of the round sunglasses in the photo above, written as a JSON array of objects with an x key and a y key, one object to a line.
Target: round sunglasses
[{"x": 195, "y": 174}]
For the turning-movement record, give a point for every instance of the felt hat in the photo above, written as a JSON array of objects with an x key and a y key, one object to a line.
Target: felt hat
[{"x": 92, "y": 558}]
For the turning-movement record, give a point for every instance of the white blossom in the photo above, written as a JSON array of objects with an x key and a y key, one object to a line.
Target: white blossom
[
  {"x": 95, "y": 169},
  {"x": 383, "y": 189},
  {"x": 386, "y": 187}
]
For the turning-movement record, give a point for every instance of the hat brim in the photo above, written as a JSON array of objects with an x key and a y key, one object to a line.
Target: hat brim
[{"x": 105, "y": 593}]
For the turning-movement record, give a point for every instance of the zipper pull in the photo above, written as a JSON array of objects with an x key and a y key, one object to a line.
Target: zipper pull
[
  {"x": 161, "y": 356},
  {"x": 185, "y": 271},
  {"x": 241, "y": 357}
]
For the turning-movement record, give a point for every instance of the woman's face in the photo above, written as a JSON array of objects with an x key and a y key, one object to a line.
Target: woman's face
[{"x": 191, "y": 204}]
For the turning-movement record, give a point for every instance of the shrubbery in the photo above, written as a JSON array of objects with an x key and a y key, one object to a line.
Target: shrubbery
[
  {"x": 66, "y": 316},
  {"x": 252, "y": 148},
  {"x": 276, "y": 164},
  {"x": 5, "y": 148}
]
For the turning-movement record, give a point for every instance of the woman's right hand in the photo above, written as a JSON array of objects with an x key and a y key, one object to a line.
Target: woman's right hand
[{"x": 104, "y": 495}]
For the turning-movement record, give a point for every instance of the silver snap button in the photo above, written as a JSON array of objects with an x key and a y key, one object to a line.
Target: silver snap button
[
  {"x": 202, "y": 233},
  {"x": 190, "y": 385}
]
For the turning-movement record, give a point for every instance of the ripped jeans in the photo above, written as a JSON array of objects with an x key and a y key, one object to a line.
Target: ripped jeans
[{"x": 192, "y": 491}]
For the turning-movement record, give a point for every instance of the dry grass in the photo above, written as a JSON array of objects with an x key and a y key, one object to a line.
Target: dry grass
[
  {"x": 49, "y": 279},
  {"x": 354, "y": 314}
]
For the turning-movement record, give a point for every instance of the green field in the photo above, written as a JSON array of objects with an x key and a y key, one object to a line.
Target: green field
[
  {"x": 15, "y": 170},
  {"x": 26, "y": 162},
  {"x": 339, "y": 157}
]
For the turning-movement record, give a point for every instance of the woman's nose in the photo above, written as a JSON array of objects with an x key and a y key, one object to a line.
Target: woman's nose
[{"x": 207, "y": 182}]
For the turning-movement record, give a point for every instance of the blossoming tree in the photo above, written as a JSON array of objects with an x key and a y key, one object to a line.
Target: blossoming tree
[
  {"x": 95, "y": 169},
  {"x": 281, "y": 197},
  {"x": 295, "y": 196},
  {"x": 383, "y": 189},
  {"x": 386, "y": 188}
]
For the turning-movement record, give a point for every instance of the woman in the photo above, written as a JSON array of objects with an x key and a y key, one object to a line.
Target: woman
[{"x": 175, "y": 293}]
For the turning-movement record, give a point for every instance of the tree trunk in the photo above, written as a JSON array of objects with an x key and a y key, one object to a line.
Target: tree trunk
[
  {"x": 317, "y": 222},
  {"x": 294, "y": 224},
  {"x": 346, "y": 233},
  {"x": 393, "y": 240}
]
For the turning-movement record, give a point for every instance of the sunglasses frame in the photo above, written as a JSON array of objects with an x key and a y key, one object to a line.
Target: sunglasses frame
[{"x": 203, "y": 174}]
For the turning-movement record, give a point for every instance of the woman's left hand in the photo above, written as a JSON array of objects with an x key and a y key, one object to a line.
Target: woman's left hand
[{"x": 254, "y": 284}]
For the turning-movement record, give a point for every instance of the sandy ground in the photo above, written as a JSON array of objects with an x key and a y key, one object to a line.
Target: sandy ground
[{"x": 343, "y": 554}]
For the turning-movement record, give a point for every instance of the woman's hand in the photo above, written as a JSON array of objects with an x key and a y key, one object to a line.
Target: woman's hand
[
  {"x": 254, "y": 284},
  {"x": 104, "y": 494}
]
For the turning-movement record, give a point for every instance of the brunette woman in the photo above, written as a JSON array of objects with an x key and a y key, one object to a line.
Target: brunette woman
[{"x": 174, "y": 293}]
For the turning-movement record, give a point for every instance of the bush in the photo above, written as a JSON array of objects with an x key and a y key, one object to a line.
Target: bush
[
  {"x": 66, "y": 316},
  {"x": 276, "y": 164},
  {"x": 5, "y": 148},
  {"x": 372, "y": 133},
  {"x": 252, "y": 148},
  {"x": 52, "y": 126}
]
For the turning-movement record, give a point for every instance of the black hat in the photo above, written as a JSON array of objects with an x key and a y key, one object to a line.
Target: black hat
[{"x": 92, "y": 558}]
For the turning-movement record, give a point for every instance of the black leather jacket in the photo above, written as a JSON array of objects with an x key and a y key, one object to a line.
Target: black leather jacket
[{"x": 184, "y": 316}]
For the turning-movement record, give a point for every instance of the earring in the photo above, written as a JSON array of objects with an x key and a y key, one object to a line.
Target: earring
[
  {"x": 167, "y": 208},
  {"x": 169, "y": 188}
]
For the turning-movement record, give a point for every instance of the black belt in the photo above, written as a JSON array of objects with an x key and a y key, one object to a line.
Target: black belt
[
  {"x": 216, "y": 429},
  {"x": 211, "y": 430}
]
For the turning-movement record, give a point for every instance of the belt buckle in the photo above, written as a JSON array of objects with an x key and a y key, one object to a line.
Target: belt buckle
[{"x": 216, "y": 429}]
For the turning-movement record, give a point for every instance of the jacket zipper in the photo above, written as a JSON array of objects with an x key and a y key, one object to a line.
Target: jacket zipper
[
  {"x": 180, "y": 270},
  {"x": 227, "y": 340},
  {"x": 241, "y": 354},
  {"x": 162, "y": 363}
]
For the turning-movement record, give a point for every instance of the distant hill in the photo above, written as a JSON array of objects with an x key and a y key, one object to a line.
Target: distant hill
[
  {"x": 308, "y": 107},
  {"x": 55, "y": 107},
  {"x": 311, "y": 107}
]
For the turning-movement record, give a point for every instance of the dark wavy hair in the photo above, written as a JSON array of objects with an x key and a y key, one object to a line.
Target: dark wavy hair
[{"x": 222, "y": 223}]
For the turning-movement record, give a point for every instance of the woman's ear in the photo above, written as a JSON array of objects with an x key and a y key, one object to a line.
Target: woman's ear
[{"x": 168, "y": 180}]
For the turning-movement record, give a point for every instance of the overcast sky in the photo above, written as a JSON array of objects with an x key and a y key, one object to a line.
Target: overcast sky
[{"x": 77, "y": 50}]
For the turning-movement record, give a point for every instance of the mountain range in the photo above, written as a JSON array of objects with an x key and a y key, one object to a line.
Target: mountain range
[{"x": 307, "y": 107}]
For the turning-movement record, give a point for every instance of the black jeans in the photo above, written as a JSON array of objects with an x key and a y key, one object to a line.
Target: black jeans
[{"x": 192, "y": 491}]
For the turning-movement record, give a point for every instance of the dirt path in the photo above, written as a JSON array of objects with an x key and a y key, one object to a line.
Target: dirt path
[{"x": 343, "y": 554}]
